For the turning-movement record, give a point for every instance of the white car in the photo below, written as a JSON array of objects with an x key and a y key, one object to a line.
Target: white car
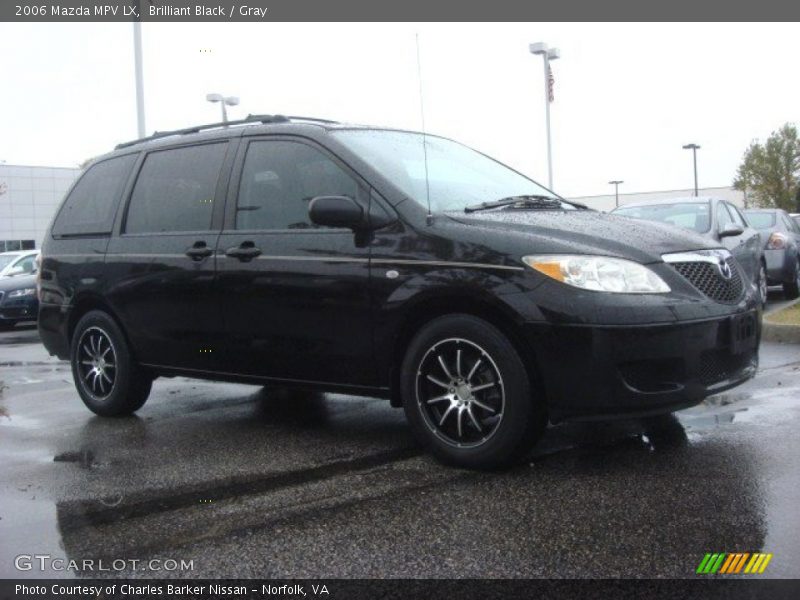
[{"x": 18, "y": 262}]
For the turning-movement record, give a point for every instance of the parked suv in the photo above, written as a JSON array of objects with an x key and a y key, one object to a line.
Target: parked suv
[{"x": 297, "y": 252}]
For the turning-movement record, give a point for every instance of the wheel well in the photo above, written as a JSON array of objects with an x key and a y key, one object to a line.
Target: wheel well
[
  {"x": 83, "y": 306},
  {"x": 433, "y": 308}
]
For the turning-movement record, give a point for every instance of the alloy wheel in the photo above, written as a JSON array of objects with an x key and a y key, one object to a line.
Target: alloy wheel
[
  {"x": 97, "y": 362},
  {"x": 460, "y": 392}
]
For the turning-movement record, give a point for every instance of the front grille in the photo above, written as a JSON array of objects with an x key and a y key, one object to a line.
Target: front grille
[
  {"x": 716, "y": 366},
  {"x": 706, "y": 277}
]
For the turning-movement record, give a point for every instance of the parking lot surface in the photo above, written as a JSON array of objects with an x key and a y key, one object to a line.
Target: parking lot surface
[{"x": 251, "y": 482}]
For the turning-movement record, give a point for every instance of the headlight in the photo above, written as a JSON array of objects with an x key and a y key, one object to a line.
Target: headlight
[
  {"x": 21, "y": 293},
  {"x": 599, "y": 273}
]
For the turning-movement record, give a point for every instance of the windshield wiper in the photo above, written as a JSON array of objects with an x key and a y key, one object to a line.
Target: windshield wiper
[{"x": 526, "y": 201}]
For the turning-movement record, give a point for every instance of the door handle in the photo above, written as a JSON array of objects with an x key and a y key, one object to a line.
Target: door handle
[
  {"x": 199, "y": 251},
  {"x": 245, "y": 252}
]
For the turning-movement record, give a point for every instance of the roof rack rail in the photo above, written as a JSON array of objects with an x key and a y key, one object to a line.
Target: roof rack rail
[
  {"x": 311, "y": 119},
  {"x": 198, "y": 128}
]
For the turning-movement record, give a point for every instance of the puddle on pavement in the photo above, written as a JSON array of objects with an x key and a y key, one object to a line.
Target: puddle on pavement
[
  {"x": 28, "y": 527},
  {"x": 20, "y": 421}
]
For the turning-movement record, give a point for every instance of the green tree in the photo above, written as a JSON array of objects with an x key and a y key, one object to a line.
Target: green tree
[{"x": 770, "y": 172}]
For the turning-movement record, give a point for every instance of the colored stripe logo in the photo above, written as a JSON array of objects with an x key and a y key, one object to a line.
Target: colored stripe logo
[{"x": 733, "y": 562}]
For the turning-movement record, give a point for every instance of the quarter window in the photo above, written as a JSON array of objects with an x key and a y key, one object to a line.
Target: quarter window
[
  {"x": 736, "y": 215},
  {"x": 92, "y": 203},
  {"x": 175, "y": 190},
  {"x": 279, "y": 179},
  {"x": 723, "y": 216}
]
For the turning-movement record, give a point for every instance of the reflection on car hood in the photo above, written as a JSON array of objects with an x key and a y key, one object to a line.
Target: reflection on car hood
[{"x": 585, "y": 231}]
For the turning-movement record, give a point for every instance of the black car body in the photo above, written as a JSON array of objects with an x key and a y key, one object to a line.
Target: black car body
[
  {"x": 781, "y": 235},
  {"x": 716, "y": 219},
  {"x": 330, "y": 272},
  {"x": 18, "y": 300}
]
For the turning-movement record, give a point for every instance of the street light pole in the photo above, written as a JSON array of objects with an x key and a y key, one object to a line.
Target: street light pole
[
  {"x": 694, "y": 148},
  {"x": 224, "y": 101},
  {"x": 547, "y": 54},
  {"x": 137, "y": 61},
  {"x": 616, "y": 183}
]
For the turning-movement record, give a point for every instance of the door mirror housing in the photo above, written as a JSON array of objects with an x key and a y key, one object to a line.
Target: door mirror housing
[
  {"x": 337, "y": 211},
  {"x": 14, "y": 271},
  {"x": 730, "y": 230}
]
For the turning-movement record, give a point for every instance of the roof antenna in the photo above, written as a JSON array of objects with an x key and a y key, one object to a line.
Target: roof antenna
[{"x": 429, "y": 217}]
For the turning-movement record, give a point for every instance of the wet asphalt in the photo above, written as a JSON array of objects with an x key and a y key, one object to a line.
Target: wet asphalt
[{"x": 248, "y": 482}]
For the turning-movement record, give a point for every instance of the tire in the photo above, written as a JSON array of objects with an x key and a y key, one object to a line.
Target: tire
[
  {"x": 108, "y": 380},
  {"x": 488, "y": 394},
  {"x": 761, "y": 283},
  {"x": 791, "y": 289}
]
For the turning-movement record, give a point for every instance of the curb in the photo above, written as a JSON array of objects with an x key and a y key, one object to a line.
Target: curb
[
  {"x": 776, "y": 332},
  {"x": 780, "y": 332}
]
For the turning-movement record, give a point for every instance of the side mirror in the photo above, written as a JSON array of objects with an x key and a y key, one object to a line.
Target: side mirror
[
  {"x": 337, "y": 211},
  {"x": 14, "y": 271},
  {"x": 730, "y": 230}
]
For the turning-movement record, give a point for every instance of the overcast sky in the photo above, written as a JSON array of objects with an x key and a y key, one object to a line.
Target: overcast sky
[{"x": 627, "y": 96}]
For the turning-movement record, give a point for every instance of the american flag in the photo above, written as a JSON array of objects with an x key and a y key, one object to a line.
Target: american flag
[{"x": 550, "y": 82}]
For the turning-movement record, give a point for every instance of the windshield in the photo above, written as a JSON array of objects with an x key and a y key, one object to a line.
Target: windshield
[
  {"x": 6, "y": 260},
  {"x": 689, "y": 215},
  {"x": 761, "y": 220},
  {"x": 457, "y": 175}
]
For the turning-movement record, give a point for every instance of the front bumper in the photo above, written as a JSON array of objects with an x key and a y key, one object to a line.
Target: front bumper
[
  {"x": 24, "y": 308},
  {"x": 780, "y": 265},
  {"x": 592, "y": 371}
]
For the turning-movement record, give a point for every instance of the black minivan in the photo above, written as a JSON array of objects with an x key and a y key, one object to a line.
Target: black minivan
[{"x": 292, "y": 251}]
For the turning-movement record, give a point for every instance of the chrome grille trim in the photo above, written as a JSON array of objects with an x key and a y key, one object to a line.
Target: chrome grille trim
[{"x": 714, "y": 273}]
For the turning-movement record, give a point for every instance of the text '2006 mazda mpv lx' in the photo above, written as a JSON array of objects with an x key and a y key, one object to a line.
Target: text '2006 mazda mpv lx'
[{"x": 289, "y": 251}]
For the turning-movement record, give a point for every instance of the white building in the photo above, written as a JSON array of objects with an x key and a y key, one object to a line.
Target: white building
[
  {"x": 29, "y": 196},
  {"x": 606, "y": 201}
]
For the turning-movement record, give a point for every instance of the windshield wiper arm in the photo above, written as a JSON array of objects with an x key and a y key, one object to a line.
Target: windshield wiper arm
[{"x": 526, "y": 201}]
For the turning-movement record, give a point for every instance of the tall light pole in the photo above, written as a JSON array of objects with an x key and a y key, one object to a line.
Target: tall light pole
[
  {"x": 694, "y": 148},
  {"x": 224, "y": 101},
  {"x": 137, "y": 63},
  {"x": 616, "y": 183},
  {"x": 548, "y": 54}
]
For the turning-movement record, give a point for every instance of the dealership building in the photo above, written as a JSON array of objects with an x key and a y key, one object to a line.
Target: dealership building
[{"x": 29, "y": 197}]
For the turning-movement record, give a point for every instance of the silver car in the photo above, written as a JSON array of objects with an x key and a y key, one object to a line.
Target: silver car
[
  {"x": 781, "y": 248},
  {"x": 716, "y": 219}
]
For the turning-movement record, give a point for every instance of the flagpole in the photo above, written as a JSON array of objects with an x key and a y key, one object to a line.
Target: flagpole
[
  {"x": 548, "y": 54},
  {"x": 547, "y": 120}
]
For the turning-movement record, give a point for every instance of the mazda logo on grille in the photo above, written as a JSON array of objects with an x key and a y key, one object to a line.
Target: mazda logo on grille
[{"x": 724, "y": 269}]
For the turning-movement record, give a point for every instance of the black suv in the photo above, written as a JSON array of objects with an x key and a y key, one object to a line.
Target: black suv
[{"x": 290, "y": 251}]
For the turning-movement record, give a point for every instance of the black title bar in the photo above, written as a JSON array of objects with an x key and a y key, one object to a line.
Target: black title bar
[{"x": 258, "y": 11}]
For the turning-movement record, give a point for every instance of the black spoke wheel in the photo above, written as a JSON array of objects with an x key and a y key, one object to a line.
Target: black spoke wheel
[
  {"x": 467, "y": 394},
  {"x": 97, "y": 362},
  {"x": 107, "y": 378},
  {"x": 460, "y": 392}
]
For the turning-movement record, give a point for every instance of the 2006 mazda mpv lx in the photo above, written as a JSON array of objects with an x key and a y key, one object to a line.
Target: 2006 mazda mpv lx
[{"x": 303, "y": 252}]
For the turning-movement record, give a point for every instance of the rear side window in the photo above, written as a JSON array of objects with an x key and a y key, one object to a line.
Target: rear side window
[
  {"x": 175, "y": 190},
  {"x": 280, "y": 178},
  {"x": 92, "y": 203}
]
